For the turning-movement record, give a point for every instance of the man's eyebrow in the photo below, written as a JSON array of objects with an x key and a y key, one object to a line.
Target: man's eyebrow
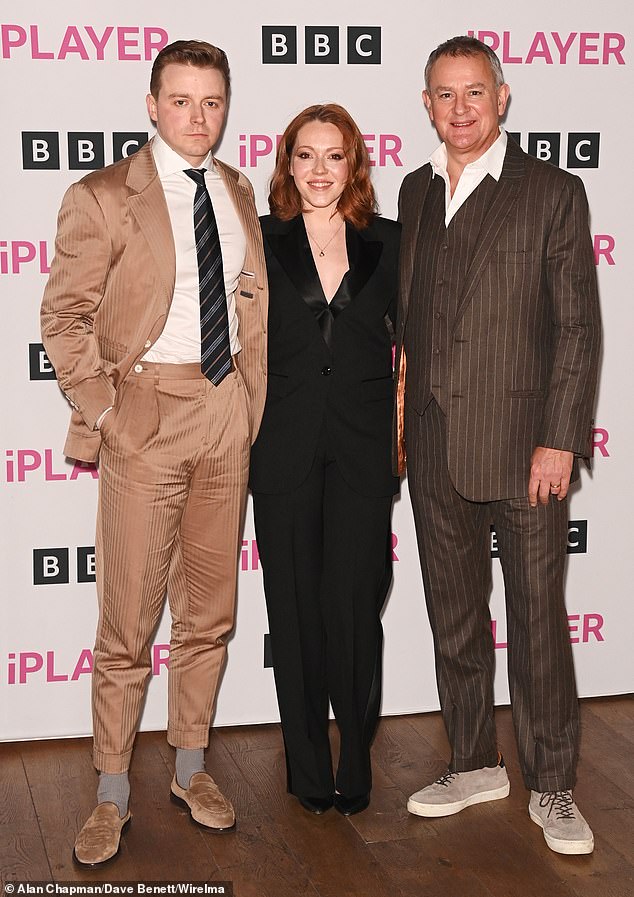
[
  {"x": 441, "y": 88},
  {"x": 188, "y": 96}
]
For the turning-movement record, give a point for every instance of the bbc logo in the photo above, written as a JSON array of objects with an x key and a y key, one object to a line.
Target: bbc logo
[
  {"x": 582, "y": 148},
  {"x": 86, "y": 149},
  {"x": 51, "y": 565},
  {"x": 321, "y": 45},
  {"x": 577, "y": 539},
  {"x": 40, "y": 367}
]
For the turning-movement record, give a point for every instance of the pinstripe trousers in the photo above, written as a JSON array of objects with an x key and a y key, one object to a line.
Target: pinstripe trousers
[
  {"x": 455, "y": 552},
  {"x": 172, "y": 489}
]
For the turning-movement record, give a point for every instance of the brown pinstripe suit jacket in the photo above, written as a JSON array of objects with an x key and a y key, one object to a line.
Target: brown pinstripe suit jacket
[
  {"x": 112, "y": 282},
  {"x": 524, "y": 356}
]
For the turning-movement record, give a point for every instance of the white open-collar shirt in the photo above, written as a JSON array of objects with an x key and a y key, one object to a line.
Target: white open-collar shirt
[{"x": 491, "y": 162}]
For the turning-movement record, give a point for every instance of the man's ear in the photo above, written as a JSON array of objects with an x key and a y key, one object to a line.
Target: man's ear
[
  {"x": 151, "y": 106},
  {"x": 503, "y": 97},
  {"x": 427, "y": 102}
]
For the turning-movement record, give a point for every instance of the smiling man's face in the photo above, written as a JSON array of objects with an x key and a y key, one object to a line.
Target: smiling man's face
[{"x": 465, "y": 105}]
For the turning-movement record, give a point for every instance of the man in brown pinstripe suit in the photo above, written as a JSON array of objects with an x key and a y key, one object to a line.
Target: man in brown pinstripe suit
[
  {"x": 154, "y": 318},
  {"x": 497, "y": 354}
]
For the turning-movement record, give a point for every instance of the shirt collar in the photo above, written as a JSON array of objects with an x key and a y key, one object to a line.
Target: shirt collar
[
  {"x": 490, "y": 162},
  {"x": 169, "y": 162}
]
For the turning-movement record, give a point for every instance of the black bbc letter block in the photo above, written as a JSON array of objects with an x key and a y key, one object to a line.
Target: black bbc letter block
[
  {"x": 495, "y": 548},
  {"x": 279, "y": 44},
  {"x": 50, "y": 566},
  {"x": 40, "y": 149},
  {"x": 40, "y": 367},
  {"x": 86, "y": 563},
  {"x": 321, "y": 44},
  {"x": 85, "y": 150},
  {"x": 577, "y": 537},
  {"x": 545, "y": 146},
  {"x": 268, "y": 654},
  {"x": 364, "y": 45},
  {"x": 583, "y": 150},
  {"x": 125, "y": 143}
]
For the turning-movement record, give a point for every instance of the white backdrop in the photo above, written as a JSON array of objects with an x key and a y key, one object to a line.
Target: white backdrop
[{"x": 76, "y": 85}]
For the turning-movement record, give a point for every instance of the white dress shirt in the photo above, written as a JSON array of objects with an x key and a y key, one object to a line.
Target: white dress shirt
[
  {"x": 473, "y": 174},
  {"x": 179, "y": 342}
]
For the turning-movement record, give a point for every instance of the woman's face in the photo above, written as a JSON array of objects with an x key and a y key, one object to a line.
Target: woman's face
[{"x": 319, "y": 166}]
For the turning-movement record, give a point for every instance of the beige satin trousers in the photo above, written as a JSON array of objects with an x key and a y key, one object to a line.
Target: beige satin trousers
[{"x": 172, "y": 488}]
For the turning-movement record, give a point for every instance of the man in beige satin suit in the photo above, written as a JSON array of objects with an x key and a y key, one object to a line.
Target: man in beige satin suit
[
  {"x": 122, "y": 325},
  {"x": 499, "y": 323}
]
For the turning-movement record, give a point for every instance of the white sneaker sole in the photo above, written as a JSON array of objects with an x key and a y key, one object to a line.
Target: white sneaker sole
[
  {"x": 559, "y": 845},
  {"x": 481, "y": 797}
]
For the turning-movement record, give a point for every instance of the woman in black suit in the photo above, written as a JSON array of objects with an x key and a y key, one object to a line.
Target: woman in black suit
[{"x": 320, "y": 468}]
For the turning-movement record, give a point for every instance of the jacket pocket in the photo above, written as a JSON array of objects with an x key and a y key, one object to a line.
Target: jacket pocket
[
  {"x": 525, "y": 393},
  {"x": 110, "y": 350},
  {"x": 378, "y": 387}
]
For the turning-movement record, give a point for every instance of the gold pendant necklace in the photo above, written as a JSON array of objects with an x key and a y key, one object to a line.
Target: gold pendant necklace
[{"x": 322, "y": 249}]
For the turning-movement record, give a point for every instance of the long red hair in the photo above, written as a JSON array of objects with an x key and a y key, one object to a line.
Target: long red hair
[{"x": 357, "y": 204}]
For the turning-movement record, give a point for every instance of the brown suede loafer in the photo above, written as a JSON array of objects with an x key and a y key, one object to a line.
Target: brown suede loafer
[
  {"x": 207, "y": 804},
  {"x": 98, "y": 841}
]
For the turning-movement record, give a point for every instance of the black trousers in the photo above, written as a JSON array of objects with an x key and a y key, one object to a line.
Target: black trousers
[
  {"x": 454, "y": 544},
  {"x": 326, "y": 554}
]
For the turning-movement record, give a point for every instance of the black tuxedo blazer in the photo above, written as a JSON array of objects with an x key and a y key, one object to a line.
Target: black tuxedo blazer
[{"x": 329, "y": 365}]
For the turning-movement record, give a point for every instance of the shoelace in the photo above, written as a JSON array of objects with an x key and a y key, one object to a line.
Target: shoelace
[
  {"x": 447, "y": 779},
  {"x": 560, "y": 801}
]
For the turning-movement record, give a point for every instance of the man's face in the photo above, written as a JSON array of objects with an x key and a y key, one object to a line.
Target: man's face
[
  {"x": 465, "y": 105},
  {"x": 189, "y": 110}
]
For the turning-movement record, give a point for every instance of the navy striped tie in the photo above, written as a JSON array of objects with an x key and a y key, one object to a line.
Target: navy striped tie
[{"x": 215, "y": 351}]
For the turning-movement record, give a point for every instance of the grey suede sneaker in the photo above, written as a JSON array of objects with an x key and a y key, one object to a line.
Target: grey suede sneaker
[
  {"x": 454, "y": 791},
  {"x": 565, "y": 829}
]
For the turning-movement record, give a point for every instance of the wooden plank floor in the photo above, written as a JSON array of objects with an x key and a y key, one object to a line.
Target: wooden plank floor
[{"x": 47, "y": 789}]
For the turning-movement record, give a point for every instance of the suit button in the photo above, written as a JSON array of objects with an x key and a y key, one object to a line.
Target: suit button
[
  {"x": 437, "y": 315},
  {"x": 326, "y": 371},
  {"x": 138, "y": 368},
  {"x": 444, "y": 247},
  {"x": 436, "y": 351},
  {"x": 148, "y": 343}
]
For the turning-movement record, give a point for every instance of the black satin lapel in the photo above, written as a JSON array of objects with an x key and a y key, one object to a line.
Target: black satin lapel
[
  {"x": 344, "y": 296},
  {"x": 325, "y": 320},
  {"x": 363, "y": 257},
  {"x": 294, "y": 255}
]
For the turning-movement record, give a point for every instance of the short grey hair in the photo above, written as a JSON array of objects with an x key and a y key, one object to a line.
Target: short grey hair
[{"x": 463, "y": 45}]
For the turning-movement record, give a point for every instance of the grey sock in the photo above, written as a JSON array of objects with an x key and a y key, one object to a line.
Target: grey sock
[
  {"x": 188, "y": 762},
  {"x": 114, "y": 787}
]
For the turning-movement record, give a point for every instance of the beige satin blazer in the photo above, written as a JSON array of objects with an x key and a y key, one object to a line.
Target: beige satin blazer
[{"x": 111, "y": 286}]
